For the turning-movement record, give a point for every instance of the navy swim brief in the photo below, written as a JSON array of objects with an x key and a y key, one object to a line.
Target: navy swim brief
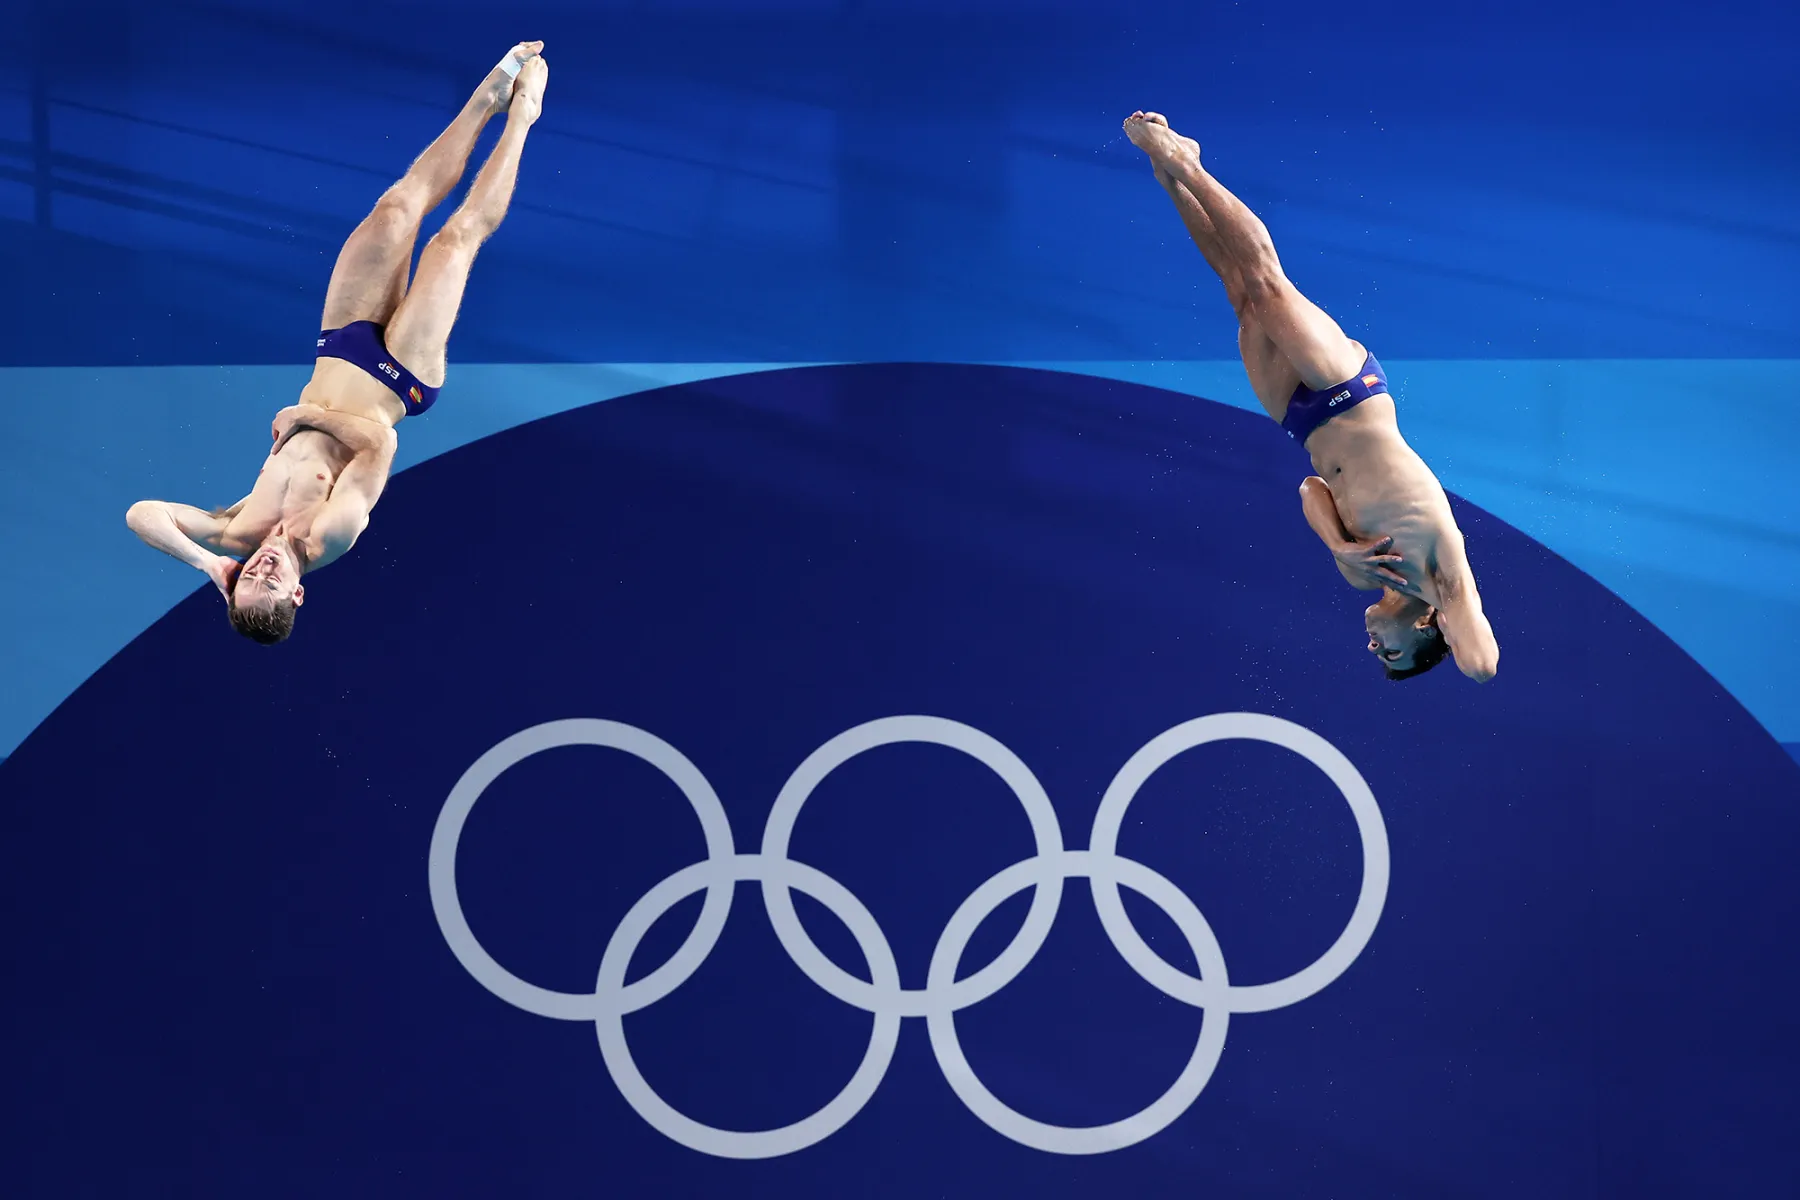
[
  {"x": 1310, "y": 409},
  {"x": 360, "y": 342}
]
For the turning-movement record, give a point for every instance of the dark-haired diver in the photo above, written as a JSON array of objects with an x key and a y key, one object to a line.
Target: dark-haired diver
[{"x": 1374, "y": 502}]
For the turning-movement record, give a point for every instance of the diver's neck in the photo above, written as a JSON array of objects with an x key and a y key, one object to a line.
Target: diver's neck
[
  {"x": 293, "y": 544},
  {"x": 1403, "y": 605}
]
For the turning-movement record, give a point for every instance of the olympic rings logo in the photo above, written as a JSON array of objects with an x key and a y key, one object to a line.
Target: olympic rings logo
[{"x": 944, "y": 993}]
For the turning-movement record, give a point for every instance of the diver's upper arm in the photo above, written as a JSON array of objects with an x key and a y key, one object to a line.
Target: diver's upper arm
[
  {"x": 1465, "y": 627},
  {"x": 1321, "y": 510},
  {"x": 346, "y": 512},
  {"x": 199, "y": 526},
  {"x": 335, "y": 532},
  {"x": 339, "y": 523}
]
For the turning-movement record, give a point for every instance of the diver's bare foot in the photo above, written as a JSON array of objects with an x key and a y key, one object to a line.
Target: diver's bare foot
[
  {"x": 1150, "y": 133},
  {"x": 528, "y": 92},
  {"x": 497, "y": 89}
]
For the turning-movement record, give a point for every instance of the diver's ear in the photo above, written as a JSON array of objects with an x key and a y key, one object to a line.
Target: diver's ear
[
  {"x": 299, "y": 594},
  {"x": 1428, "y": 621}
]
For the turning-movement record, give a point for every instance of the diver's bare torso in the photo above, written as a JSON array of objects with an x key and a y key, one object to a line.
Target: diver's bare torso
[
  {"x": 1382, "y": 488},
  {"x": 295, "y": 482},
  {"x": 1379, "y": 484}
]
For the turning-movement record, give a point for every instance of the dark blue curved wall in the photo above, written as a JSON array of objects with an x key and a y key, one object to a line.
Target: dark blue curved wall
[{"x": 236, "y": 973}]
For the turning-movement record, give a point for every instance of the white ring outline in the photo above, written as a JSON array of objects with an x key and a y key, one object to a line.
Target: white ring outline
[
  {"x": 730, "y": 1143},
  {"x": 1147, "y": 1121},
  {"x": 1046, "y": 832},
  {"x": 441, "y": 865},
  {"x": 1258, "y": 727}
]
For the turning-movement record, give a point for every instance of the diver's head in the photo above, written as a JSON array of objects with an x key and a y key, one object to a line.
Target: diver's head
[
  {"x": 268, "y": 591},
  {"x": 1404, "y": 635}
]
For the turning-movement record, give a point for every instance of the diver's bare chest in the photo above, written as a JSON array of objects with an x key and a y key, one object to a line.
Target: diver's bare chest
[
  {"x": 288, "y": 494},
  {"x": 1413, "y": 524}
]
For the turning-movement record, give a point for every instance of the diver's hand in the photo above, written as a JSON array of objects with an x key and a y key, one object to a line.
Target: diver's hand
[
  {"x": 288, "y": 420},
  {"x": 223, "y": 572},
  {"x": 1375, "y": 562}
]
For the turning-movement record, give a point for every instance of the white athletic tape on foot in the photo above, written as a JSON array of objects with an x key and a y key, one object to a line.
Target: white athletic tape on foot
[{"x": 511, "y": 66}]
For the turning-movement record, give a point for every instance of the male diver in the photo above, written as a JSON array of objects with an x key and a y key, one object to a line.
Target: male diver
[
  {"x": 1374, "y": 502},
  {"x": 380, "y": 358}
]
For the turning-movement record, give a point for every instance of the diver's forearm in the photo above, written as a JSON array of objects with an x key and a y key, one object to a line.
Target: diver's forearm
[
  {"x": 359, "y": 435},
  {"x": 152, "y": 522}
]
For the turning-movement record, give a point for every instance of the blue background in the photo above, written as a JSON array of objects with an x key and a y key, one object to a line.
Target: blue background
[{"x": 1567, "y": 229}]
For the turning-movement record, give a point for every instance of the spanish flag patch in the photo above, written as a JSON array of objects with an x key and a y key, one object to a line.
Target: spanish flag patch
[
  {"x": 418, "y": 395},
  {"x": 1368, "y": 380}
]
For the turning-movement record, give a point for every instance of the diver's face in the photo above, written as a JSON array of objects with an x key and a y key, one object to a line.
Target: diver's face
[
  {"x": 1396, "y": 635},
  {"x": 270, "y": 575}
]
